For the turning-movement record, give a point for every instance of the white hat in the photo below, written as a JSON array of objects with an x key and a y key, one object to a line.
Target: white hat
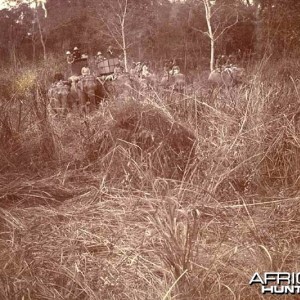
[
  {"x": 75, "y": 48},
  {"x": 99, "y": 53},
  {"x": 68, "y": 52}
]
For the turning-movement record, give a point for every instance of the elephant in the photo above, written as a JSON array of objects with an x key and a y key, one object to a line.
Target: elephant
[
  {"x": 135, "y": 69},
  {"x": 175, "y": 82},
  {"x": 140, "y": 71},
  {"x": 179, "y": 82},
  {"x": 59, "y": 96},
  {"x": 90, "y": 92},
  {"x": 121, "y": 87},
  {"x": 146, "y": 82},
  {"x": 228, "y": 77}
]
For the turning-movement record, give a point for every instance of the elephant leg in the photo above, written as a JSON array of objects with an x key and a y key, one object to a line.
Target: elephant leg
[
  {"x": 82, "y": 102},
  {"x": 53, "y": 100},
  {"x": 60, "y": 104},
  {"x": 99, "y": 95},
  {"x": 64, "y": 104},
  {"x": 73, "y": 101},
  {"x": 55, "y": 105},
  {"x": 91, "y": 102}
]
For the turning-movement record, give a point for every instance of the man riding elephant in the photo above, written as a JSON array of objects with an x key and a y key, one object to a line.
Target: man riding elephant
[
  {"x": 179, "y": 80},
  {"x": 174, "y": 79},
  {"x": 228, "y": 77},
  {"x": 99, "y": 57},
  {"x": 76, "y": 54},
  {"x": 147, "y": 79},
  {"x": 89, "y": 90},
  {"x": 59, "y": 95},
  {"x": 221, "y": 62},
  {"x": 136, "y": 69},
  {"x": 70, "y": 58},
  {"x": 110, "y": 53}
]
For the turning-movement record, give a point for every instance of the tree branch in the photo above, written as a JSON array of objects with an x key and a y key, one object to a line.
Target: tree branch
[{"x": 228, "y": 27}]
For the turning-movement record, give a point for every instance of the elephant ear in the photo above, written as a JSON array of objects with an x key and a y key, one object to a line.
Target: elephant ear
[
  {"x": 97, "y": 82},
  {"x": 58, "y": 88},
  {"x": 52, "y": 92},
  {"x": 62, "y": 89}
]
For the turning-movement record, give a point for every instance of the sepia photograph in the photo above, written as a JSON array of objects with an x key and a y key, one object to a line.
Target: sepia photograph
[{"x": 149, "y": 149}]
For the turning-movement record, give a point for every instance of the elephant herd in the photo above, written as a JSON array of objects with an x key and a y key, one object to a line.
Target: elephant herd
[
  {"x": 86, "y": 91},
  {"x": 81, "y": 92}
]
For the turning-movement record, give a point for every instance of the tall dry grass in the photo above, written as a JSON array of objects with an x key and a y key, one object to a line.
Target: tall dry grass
[{"x": 85, "y": 214}]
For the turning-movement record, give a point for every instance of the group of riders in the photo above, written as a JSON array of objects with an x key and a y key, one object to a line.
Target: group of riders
[
  {"x": 225, "y": 61},
  {"x": 142, "y": 69},
  {"x": 139, "y": 70},
  {"x": 76, "y": 55},
  {"x": 139, "y": 74}
]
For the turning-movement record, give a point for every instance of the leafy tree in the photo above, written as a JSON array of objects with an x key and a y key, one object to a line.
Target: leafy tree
[{"x": 18, "y": 22}]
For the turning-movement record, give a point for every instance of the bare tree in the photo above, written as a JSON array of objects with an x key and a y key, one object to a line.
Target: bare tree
[
  {"x": 214, "y": 28},
  {"x": 37, "y": 20},
  {"x": 114, "y": 16},
  {"x": 210, "y": 33}
]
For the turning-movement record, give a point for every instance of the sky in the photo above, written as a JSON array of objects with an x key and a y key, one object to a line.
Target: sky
[{"x": 3, "y": 5}]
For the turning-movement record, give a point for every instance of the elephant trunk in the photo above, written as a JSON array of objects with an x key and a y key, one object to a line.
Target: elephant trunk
[{"x": 87, "y": 88}]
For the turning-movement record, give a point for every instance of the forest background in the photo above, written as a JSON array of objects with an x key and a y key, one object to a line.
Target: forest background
[{"x": 151, "y": 30}]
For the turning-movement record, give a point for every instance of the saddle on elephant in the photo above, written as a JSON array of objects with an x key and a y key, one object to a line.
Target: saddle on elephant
[
  {"x": 107, "y": 66},
  {"x": 87, "y": 78}
]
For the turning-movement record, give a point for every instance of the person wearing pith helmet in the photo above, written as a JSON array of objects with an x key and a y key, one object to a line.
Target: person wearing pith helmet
[
  {"x": 76, "y": 54},
  {"x": 99, "y": 56},
  {"x": 175, "y": 70},
  {"x": 109, "y": 51},
  {"x": 69, "y": 57}
]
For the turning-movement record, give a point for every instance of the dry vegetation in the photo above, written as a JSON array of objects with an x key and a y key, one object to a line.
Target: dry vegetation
[{"x": 173, "y": 197}]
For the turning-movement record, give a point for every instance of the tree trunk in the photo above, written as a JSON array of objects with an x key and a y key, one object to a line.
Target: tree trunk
[
  {"x": 207, "y": 6},
  {"x": 124, "y": 37},
  {"x": 124, "y": 49},
  {"x": 40, "y": 30}
]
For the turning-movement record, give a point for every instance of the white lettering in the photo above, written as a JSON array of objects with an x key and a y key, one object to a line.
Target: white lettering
[
  {"x": 266, "y": 290},
  {"x": 289, "y": 289},
  {"x": 277, "y": 282},
  {"x": 296, "y": 289},
  {"x": 284, "y": 277},
  {"x": 281, "y": 290},
  {"x": 270, "y": 276},
  {"x": 256, "y": 279}
]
